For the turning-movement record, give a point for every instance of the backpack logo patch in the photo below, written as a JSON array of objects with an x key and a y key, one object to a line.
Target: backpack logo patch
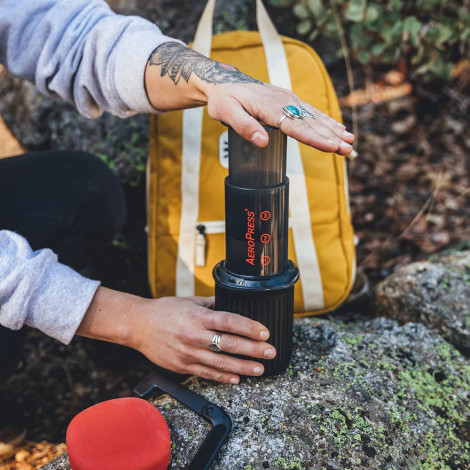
[{"x": 223, "y": 149}]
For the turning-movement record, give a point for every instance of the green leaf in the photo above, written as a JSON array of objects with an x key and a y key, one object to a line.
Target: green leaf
[
  {"x": 301, "y": 11},
  {"x": 418, "y": 57},
  {"x": 355, "y": 11},
  {"x": 339, "y": 54},
  {"x": 357, "y": 36},
  {"x": 304, "y": 27},
  {"x": 387, "y": 33},
  {"x": 463, "y": 14},
  {"x": 313, "y": 35},
  {"x": 280, "y": 3},
  {"x": 411, "y": 29},
  {"x": 428, "y": 4},
  {"x": 378, "y": 48},
  {"x": 395, "y": 5},
  {"x": 443, "y": 33},
  {"x": 315, "y": 6},
  {"x": 331, "y": 27},
  {"x": 396, "y": 31},
  {"x": 373, "y": 12}
]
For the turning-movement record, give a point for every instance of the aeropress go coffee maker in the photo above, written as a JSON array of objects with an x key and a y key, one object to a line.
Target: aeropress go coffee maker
[{"x": 257, "y": 279}]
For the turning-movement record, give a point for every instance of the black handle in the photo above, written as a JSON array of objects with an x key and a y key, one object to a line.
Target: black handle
[{"x": 215, "y": 415}]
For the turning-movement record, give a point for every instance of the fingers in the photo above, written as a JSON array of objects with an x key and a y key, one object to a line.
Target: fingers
[
  {"x": 322, "y": 137},
  {"x": 238, "y": 345},
  {"x": 321, "y": 132},
  {"x": 226, "y": 363},
  {"x": 221, "y": 367},
  {"x": 234, "y": 323},
  {"x": 213, "y": 374},
  {"x": 245, "y": 125},
  {"x": 332, "y": 124}
]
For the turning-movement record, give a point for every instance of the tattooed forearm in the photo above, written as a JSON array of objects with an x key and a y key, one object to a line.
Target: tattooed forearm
[{"x": 178, "y": 61}]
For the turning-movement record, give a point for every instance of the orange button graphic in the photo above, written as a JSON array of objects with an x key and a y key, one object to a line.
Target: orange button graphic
[
  {"x": 265, "y": 238},
  {"x": 265, "y": 260},
  {"x": 265, "y": 215}
]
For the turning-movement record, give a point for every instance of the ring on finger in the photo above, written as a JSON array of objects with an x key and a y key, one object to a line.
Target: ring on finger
[
  {"x": 306, "y": 113},
  {"x": 291, "y": 112},
  {"x": 280, "y": 121},
  {"x": 215, "y": 344}
]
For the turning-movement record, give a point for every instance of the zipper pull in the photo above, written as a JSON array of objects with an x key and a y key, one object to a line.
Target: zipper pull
[{"x": 200, "y": 245}]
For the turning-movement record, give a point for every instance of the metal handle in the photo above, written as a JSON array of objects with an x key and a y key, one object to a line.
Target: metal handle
[{"x": 215, "y": 415}]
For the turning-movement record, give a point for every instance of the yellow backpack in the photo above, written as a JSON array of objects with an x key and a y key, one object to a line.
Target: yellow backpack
[{"x": 188, "y": 164}]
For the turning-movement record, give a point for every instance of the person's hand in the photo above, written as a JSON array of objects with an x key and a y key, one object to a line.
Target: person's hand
[
  {"x": 175, "y": 333},
  {"x": 242, "y": 106},
  {"x": 177, "y": 77}
]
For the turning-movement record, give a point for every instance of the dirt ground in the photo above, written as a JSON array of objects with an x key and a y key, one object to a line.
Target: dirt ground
[{"x": 410, "y": 198}]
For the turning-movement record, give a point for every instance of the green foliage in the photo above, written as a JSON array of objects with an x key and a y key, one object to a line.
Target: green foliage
[{"x": 429, "y": 36}]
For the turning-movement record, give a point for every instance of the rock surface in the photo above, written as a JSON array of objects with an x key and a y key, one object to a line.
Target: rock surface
[
  {"x": 369, "y": 394},
  {"x": 435, "y": 293}
]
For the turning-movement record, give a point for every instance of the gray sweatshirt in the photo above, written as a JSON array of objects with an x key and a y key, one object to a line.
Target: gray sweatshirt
[{"x": 82, "y": 52}]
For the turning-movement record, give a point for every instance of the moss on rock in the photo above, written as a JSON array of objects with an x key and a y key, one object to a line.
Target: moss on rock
[{"x": 372, "y": 395}]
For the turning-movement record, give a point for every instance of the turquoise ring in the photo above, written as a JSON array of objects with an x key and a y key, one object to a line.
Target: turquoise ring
[
  {"x": 292, "y": 112},
  {"x": 295, "y": 112}
]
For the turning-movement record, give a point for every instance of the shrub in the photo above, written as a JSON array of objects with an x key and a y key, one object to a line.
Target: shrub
[{"x": 427, "y": 36}]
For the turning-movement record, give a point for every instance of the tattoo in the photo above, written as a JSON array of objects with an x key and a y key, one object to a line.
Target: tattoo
[{"x": 179, "y": 61}]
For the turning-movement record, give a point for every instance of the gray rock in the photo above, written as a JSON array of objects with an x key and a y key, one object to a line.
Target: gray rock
[
  {"x": 369, "y": 394},
  {"x": 435, "y": 293}
]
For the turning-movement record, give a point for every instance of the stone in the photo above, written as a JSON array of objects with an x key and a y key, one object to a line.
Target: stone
[
  {"x": 434, "y": 292},
  {"x": 366, "y": 394}
]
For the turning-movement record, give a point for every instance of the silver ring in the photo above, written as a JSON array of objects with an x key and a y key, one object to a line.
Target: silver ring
[
  {"x": 215, "y": 345},
  {"x": 305, "y": 113},
  {"x": 280, "y": 120}
]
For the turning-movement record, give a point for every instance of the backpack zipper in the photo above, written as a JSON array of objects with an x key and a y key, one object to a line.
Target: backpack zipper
[{"x": 200, "y": 239}]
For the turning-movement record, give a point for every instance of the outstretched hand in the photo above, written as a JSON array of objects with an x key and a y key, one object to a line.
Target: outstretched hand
[
  {"x": 243, "y": 106},
  {"x": 177, "y": 77}
]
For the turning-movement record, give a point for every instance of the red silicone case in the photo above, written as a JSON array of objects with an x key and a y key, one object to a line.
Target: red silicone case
[{"x": 120, "y": 434}]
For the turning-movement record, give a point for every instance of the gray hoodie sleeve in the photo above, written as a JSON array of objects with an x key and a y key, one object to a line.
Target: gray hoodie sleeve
[
  {"x": 38, "y": 291},
  {"x": 82, "y": 52}
]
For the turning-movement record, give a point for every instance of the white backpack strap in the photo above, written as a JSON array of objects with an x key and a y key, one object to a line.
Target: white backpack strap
[
  {"x": 203, "y": 37},
  {"x": 190, "y": 160},
  {"x": 190, "y": 163},
  {"x": 191, "y": 153}
]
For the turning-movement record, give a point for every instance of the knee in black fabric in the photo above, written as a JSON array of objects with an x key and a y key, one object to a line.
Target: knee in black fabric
[
  {"x": 101, "y": 201},
  {"x": 69, "y": 201}
]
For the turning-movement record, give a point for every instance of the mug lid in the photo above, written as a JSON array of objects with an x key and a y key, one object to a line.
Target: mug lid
[{"x": 119, "y": 434}]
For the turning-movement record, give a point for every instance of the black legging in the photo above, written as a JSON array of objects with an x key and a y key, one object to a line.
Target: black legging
[{"x": 68, "y": 201}]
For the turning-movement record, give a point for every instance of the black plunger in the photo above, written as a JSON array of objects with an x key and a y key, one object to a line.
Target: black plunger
[{"x": 257, "y": 279}]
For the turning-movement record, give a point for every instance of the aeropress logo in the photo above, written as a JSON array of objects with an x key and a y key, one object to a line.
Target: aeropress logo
[{"x": 250, "y": 231}]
